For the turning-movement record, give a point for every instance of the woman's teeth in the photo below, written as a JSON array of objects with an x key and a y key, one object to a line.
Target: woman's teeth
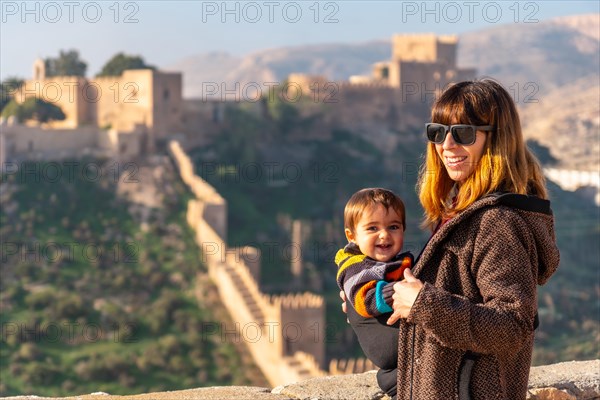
[{"x": 455, "y": 160}]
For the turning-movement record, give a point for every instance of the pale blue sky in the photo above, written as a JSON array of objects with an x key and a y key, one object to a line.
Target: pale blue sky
[{"x": 164, "y": 32}]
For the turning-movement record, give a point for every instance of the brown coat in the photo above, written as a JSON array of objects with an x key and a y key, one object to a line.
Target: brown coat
[{"x": 480, "y": 272}]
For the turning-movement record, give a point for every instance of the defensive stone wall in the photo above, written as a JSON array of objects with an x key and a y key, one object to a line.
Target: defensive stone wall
[
  {"x": 36, "y": 141},
  {"x": 284, "y": 334},
  {"x": 22, "y": 142}
]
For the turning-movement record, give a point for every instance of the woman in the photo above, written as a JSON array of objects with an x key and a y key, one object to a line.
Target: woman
[{"x": 468, "y": 309}]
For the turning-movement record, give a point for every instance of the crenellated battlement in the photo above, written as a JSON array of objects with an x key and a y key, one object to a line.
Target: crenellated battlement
[
  {"x": 295, "y": 301},
  {"x": 350, "y": 366}
]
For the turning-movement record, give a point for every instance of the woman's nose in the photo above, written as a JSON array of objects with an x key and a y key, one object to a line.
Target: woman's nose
[{"x": 448, "y": 141}]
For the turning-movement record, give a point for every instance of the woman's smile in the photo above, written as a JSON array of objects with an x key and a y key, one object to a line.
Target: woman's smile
[{"x": 454, "y": 161}]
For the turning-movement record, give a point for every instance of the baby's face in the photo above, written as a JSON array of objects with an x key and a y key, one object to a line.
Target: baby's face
[{"x": 379, "y": 233}]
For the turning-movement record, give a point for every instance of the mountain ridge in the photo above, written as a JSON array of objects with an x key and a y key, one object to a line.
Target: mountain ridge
[{"x": 551, "y": 53}]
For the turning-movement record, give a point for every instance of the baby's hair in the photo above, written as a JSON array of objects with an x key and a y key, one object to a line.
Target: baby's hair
[{"x": 368, "y": 197}]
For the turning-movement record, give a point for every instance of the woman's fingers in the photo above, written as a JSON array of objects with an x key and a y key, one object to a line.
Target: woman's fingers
[
  {"x": 405, "y": 294},
  {"x": 343, "y": 297},
  {"x": 394, "y": 317},
  {"x": 408, "y": 276}
]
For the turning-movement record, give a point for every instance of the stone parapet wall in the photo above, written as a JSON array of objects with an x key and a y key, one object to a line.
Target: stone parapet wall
[
  {"x": 575, "y": 380},
  {"x": 20, "y": 142},
  {"x": 37, "y": 143}
]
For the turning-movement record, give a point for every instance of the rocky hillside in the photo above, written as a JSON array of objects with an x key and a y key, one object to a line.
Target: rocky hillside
[
  {"x": 567, "y": 121},
  {"x": 548, "y": 54}
]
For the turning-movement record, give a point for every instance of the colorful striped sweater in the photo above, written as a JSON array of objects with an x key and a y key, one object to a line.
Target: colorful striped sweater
[{"x": 362, "y": 279}]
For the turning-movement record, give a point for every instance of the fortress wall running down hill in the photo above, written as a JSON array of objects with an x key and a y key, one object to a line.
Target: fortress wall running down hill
[{"x": 285, "y": 334}]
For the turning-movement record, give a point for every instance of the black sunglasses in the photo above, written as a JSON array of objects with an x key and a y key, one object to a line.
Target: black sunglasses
[{"x": 462, "y": 134}]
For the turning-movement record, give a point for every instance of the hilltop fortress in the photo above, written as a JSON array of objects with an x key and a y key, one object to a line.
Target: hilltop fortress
[
  {"x": 125, "y": 115},
  {"x": 138, "y": 112}
]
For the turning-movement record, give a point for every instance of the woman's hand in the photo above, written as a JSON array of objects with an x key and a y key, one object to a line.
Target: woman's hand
[
  {"x": 344, "y": 308},
  {"x": 405, "y": 294}
]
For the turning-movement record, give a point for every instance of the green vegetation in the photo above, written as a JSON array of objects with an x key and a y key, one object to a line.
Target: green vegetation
[
  {"x": 91, "y": 302},
  {"x": 120, "y": 62},
  {"x": 269, "y": 179},
  {"x": 7, "y": 90},
  {"x": 33, "y": 109},
  {"x": 67, "y": 63}
]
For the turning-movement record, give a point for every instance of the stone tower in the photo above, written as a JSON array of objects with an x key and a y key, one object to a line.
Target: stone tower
[
  {"x": 39, "y": 70},
  {"x": 296, "y": 259}
]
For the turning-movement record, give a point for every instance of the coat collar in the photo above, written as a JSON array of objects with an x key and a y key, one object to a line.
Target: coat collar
[{"x": 512, "y": 200}]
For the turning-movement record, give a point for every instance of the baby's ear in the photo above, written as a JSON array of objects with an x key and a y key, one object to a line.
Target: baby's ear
[{"x": 349, "y": 235}]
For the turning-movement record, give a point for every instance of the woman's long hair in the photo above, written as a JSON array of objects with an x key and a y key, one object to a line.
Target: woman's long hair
[{"x": 506, "y": 163}]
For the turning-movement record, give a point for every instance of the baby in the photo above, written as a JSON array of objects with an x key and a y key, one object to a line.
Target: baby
[{"x": 374, "y": 223}]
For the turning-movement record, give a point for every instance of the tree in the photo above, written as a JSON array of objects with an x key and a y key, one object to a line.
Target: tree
[
  {"x": 238, "y": 143},
  {"x": 33, "y": 108},
  {"x": 13, "y": 109},
  {"x": 285, "y": 113},
  {"x": 7, "y": 88},
  {"x": 120, "y": 62},
  {"x": 42, "y": 111},
  {"x": 67, "y": 64}
]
